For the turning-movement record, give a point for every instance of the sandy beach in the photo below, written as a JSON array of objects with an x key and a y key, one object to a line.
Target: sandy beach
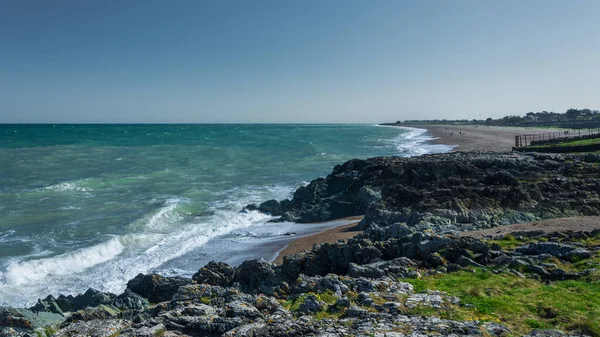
[
  {"x": 479, "y": 138},
  {"x": 331, "y": 235}
]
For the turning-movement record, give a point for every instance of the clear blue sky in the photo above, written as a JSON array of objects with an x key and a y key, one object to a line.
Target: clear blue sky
[{"x": 295, "y": 61}]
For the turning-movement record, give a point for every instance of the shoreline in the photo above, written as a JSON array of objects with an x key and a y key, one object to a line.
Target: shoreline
[
  {"x": 331, "y": 235},
  {"x": 477, "y": 138}
]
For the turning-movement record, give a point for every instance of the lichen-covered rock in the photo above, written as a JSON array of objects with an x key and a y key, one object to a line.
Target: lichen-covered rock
[
  {"x": 215, "y": 273},
  {"x": 242, "y": 309},
  {"x": 27, "y": 319},
  {"x": 130, "y": 300},
  {"x": 312, "y": 304},
  {"x": 93, "y": 328}
]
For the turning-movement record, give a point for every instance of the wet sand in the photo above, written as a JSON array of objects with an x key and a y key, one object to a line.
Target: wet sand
[{"x": 331, "y": 235}]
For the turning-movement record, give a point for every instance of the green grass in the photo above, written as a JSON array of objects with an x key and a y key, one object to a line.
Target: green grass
[
  {"x": 576, "y": 142},
  {"x": 521, "y": 304}
]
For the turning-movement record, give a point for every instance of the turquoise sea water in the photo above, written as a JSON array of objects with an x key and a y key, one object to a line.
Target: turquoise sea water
[{"x": 93, "y": 205}]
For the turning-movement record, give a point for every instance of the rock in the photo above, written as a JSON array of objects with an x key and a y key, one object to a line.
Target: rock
[
  {"x": 272, "y": 207},
  {"x": 198, "y": 310},
  {"x": 101, "y": 312},
  {"x": 156, "y": 288},
  {"x": 467, "y": 262},
  {"x": 355, "y": 311},
  {"x": 449, "y": 189},
  {"x": 62, "y": 304},
  {"x": 215, "y": 273},
  {"x": 152, "y": 331},
  {"x": 559, "y": 250},
  {"x": 267, "y": 303},
  {"x": 257, "y": 276},
  {"x": 92, "y": 298},
  {"x": 312, "y": 304},
  {"x": 434, "y": 299},
  {"x": 496, "y": 329},
  {"x": 398, "y": 268},
  {"x": 242, "y": 309},
  {"x": 27, "y": 319},
  {"x": 48, "y": 304},
  {"x": 93, "y": 328},
  {"x": 130, "y": 300}
]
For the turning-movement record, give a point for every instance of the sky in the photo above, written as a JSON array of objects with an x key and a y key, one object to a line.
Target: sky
[{"x": 294, "y": 61}]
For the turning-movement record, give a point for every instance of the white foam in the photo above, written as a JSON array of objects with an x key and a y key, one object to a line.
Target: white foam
[
  {"x": 158, "y": 238},
  {"x": 414, "y": 142},
  {"x": 67, "y": 186},
  {"x": 24, "y": 272}
]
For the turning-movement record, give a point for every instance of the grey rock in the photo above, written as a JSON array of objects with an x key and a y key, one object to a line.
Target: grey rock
[
  {"x": 355, "y": 311},
  {"x": 27, "y": 319},
  {"x": 312, "y": 304},
  {"x": 156, "y": 288},
  {"x": 242, "y": 309},
  {"x": 130, "y": 300},
  {"x": 467, "y": 262},
  {"x": 93, "y": 328},
  {"x": 563, "y": 251},
  {"x": 215, "y": 273}
]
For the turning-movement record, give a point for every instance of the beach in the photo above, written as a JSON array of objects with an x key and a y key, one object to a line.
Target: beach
[
  {"x": 332, "y": 235},
  {"x": 479, "y": 138}
]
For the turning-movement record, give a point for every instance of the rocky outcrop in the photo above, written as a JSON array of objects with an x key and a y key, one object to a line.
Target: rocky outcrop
[{"x": 455, "y": 190}]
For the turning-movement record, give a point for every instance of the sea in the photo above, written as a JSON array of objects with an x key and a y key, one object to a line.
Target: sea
[{"x": 93, "y": 205}]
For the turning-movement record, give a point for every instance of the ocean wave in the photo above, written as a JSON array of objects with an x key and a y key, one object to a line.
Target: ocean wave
[
  {"x": 24, "y": 272},
  {"x": 67, "y": 186},
  {"x": 414, "y": 142}
]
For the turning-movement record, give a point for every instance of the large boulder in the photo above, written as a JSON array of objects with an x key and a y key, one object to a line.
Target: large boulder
[
  {"x": 258, "y": 276},
  {"x": 215, "y": 273},
  {"x": 156, "y": 288},
  {"x": 25, "y": 319},
  {"x": 130, "y": 300}
]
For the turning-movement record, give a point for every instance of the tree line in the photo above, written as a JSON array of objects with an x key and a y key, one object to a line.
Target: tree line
[{"x": 576, "y": 118}]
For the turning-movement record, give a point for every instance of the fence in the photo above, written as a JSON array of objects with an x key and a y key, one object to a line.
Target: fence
[{"x": 555, "y": 137}]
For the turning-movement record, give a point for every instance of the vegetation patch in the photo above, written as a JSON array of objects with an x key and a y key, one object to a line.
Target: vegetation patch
[{"x": 521, "y": 304}]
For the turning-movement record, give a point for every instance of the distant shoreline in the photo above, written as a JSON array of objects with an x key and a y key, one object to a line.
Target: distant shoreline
[{"x": 477, "y": 138}]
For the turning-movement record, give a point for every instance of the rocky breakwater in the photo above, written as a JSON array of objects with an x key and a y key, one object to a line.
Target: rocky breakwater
[{"x": 455, "y": 191}]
